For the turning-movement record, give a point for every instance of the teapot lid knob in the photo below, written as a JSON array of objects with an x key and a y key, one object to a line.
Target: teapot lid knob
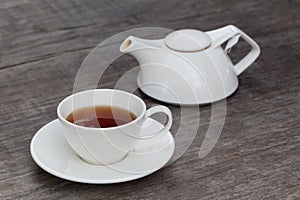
[{"x": 187, "y": 40}]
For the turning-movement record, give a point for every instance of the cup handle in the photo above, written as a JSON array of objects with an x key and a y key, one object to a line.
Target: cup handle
[
  {"x": 167, "y": 126},
  {"x": 223, "y": 34}
]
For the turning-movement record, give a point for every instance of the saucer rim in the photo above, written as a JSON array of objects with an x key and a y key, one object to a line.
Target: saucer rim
[{"x": 131, "y": 176}]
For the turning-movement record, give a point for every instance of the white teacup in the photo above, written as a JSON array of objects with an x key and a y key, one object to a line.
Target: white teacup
[{"x": 104, "y": 146}]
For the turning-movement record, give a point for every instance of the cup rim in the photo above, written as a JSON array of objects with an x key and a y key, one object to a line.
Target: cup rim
[{"x": 60, "y": 117}]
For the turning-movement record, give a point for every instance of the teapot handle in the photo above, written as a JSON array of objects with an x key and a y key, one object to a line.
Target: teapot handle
[{"x": 221, "y": 35}]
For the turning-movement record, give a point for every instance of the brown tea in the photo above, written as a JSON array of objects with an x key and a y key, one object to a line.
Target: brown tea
[{"x": 101, "y": 116}]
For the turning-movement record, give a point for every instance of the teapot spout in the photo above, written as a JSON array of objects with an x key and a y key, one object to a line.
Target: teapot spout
[
  {"x": 131, "y": 44},
  {"x": 126, "y": 45}
]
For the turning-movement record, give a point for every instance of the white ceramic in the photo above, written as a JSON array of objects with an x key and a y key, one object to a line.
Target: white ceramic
[
  {"x": 104, "y": 146},
  {"x": 190, "y": 66},
  {"x": 51, "y": 152}
]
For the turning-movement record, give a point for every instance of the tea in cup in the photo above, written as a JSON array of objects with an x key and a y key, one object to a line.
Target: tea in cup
[{"x": 102, "y": 125}]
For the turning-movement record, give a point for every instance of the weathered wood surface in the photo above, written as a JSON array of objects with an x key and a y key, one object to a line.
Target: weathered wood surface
[{"x": 257, "y": 156}]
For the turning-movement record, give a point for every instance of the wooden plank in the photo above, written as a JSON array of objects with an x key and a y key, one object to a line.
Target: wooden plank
[
  {"x": 52, "y": 29},
  {"x": 258, "y": 156}
]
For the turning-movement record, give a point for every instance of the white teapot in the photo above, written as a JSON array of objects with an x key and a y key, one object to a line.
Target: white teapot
[{"x": 189, "y": 66}]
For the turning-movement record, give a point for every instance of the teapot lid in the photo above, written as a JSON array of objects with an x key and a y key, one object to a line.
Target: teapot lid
[{"x": 187, "y": 40}]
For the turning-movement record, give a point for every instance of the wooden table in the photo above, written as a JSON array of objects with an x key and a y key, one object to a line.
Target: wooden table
[{"x": 258, "y": 154}]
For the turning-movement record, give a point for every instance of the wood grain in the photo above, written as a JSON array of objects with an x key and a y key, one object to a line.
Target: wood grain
[{"x": 43, "y": 42}]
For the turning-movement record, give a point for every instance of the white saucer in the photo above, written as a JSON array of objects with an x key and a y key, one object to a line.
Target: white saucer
[{"x": 50, "y": 150}]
